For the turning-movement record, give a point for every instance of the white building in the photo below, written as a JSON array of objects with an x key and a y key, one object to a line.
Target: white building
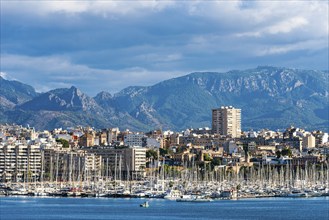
[
  {"x": 112, "y": 135},
  {"x": 324, "y": 138},
  {"x": 20, "y": 162},
  {"x": 135, "y": 140}
]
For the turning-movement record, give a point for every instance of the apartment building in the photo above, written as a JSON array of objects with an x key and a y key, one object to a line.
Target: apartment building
[
  {"x": 135, "y": 140},
  {"x": 20, "y": 163},
  {"x": 65, "y": 165},
  {"x": 308, "y": 141},
  {"x": 87, "y": 140},
  {"x": 121, "y": 161},
  {"x": 227, "y": 121}
]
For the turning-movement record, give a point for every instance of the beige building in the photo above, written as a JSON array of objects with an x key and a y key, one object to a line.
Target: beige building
[
  {"x": 87, "y": 140},
  {"x": 227, "y": 121},
  {"x": 103, "y": 139},
  {"x": 64, "y": 165},
  {"x": 20, "y": 163},
  {"x": 309, "y": 141},
  {"x": 121, "y": 161}
]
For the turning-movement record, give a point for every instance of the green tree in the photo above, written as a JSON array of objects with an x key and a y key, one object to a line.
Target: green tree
[
  {"x": 152, "y": 154},
  {"x": 206, "y": 157},
  {"x": 166, "y": 168},
  {"x": 64, "y": 142},
  {"x": 215, "y": 162},
  {"x": 286, "y": 152},
  {"x": 47, "y": 176},
  {"x": 163, "y": 151}
]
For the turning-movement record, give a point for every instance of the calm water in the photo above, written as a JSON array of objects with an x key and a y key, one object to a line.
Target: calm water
[{"x": 96, "y": 208}]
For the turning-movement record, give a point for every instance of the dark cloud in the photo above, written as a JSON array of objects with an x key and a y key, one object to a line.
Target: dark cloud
[{"x": 51, "y": 44}]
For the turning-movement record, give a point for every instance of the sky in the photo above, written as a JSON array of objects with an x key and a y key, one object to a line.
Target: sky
[{"x": 110, "y": 45}]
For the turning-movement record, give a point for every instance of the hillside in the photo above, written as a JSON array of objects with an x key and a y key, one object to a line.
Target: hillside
[{"x": 269, "y": 97}]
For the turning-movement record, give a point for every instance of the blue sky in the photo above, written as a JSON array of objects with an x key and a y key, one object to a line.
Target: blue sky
[{"x": 109, "y": 45}]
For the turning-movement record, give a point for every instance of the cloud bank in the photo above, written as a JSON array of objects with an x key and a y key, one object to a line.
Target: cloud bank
[{"x": 109, "y": 45}]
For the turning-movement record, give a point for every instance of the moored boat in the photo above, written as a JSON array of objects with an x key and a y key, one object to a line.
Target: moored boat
[
  {"x": 173, "y": 195},
  {"x": 193, "y": 198},
  {"x": 297, "y": 193}
]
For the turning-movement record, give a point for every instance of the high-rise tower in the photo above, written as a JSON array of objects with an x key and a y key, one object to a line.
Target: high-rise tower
[{"x": 227, "y": 121}]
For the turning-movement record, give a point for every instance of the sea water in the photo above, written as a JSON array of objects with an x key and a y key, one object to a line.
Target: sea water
[{"x": 21, "y": 208}]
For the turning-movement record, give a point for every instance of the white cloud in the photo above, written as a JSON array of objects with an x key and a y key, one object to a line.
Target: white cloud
[
  {"x": 312, "y": 45},
  {"x": 287, "y": 26},
  {"x": 254, "y": 18},
  {"x": 102, "y": 8},
  {"x": 281, "y": 27},
  {"x": 115, "y": 44},
  {"x": 45, "y": 73}
]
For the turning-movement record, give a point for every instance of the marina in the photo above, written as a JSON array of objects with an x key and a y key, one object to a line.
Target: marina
[
  {"x": 204, "y": 192},
  {"x": 164, "y": 109},
  {"x": 187, "y": 183}
]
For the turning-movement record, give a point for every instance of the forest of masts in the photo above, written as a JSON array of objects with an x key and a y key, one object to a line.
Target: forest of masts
[{"x": 262, "y": 175}]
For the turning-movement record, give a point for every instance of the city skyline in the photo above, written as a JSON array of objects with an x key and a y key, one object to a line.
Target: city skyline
[
  {"x": 159, "y": 104},
  {"x": 62, "y": 43}
]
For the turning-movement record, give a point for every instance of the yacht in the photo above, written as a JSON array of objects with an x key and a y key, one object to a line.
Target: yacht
[
  {"x": 173, "y": 195},
  {"x": 297, "y": 193},
  {"x": 193, "y": 198}
]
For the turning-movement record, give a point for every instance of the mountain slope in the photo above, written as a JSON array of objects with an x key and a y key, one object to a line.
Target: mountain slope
[
  {"x": 14, "y": 92},
  {"x": 269, "y": 97},
  {"x": 59, "y": 108},
  {"x": 62, "y": 100},
  {"x": 70, "y": 107}
]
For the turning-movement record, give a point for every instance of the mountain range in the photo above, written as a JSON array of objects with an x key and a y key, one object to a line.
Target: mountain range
[{"x": 270, "y": 97}]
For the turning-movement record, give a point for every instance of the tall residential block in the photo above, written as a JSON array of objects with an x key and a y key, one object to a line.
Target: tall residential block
[
  {"x": 20, "y": 163},
  {"x": 309, "y": 141},
  {"x": 227, "y": 121}
]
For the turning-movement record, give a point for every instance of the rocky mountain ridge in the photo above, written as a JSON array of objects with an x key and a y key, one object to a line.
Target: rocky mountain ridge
[{"x": 269, "y": 97}]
